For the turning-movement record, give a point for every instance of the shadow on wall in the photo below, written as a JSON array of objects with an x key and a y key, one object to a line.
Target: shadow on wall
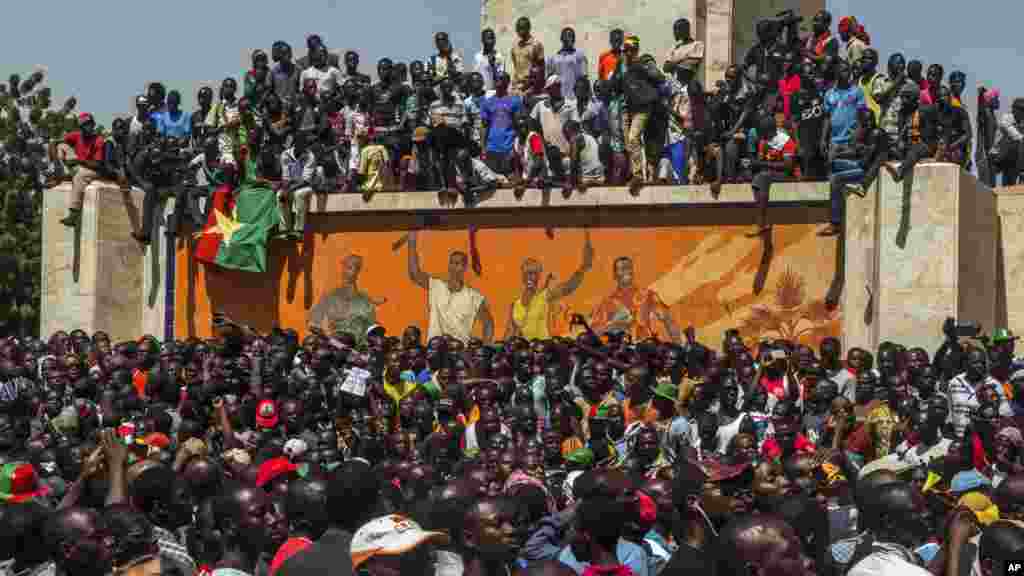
[{"x": 1002, "y": 311}]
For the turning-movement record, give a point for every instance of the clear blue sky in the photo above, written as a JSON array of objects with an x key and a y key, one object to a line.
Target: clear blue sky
[{"x": 95, "y": 52}]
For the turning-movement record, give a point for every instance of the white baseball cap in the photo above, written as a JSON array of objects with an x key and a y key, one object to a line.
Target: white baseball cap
[{"x": 390, "y": 535}]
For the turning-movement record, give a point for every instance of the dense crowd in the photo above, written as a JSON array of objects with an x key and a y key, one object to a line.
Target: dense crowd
[
  {"x": 254, "y": 453},
  {"x": 812, "y": 108},
  {"x": 363, "y": 452}
]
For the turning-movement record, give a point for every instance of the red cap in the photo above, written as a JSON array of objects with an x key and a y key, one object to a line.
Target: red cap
[
  {"x": 266, "y": 414},
  {"x": 154, "y": 440},
  {"x": 273, "y": 468},
  {"x": 85, "y": 117}
]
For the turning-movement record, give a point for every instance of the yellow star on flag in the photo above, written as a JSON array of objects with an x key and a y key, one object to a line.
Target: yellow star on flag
[{"x": 226, "y": 226}]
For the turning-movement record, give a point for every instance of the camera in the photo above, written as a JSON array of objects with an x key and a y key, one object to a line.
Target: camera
[
  {"x": 953, "y": 329},
  {"x": 788, "y": 18}
]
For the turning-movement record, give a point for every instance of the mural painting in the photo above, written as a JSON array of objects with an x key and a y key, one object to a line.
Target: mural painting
[{"x": 644, "y": 281}]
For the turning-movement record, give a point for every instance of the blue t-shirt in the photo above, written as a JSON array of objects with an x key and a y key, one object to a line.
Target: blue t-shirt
[
  {"x": 499, "y": 114},
  {"x": 175, "y": 127},
  {"x": 843, "y": 105},
  {"x": 628, "y": 553}
]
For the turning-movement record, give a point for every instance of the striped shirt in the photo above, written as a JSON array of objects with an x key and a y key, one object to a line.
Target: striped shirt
[
  {"x": 453, "y": 115},
  {"x": 175, "y": 557},
  {"x": 963, "y": 401}
]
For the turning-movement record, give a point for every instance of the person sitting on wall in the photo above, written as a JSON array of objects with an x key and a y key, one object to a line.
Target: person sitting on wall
[
  {"x": 473, "y": 178},
  {"x": 776, "y": 160},
  {"x": 374, "y": 166},
  {"x": 917, "y": 134},
  {"x": 1007, "y": 153},
  {"x": 528, "y": 157},
  {"x": 88, "y": 146},
  {"x": 299, "y": 171},
  {"x": 955, "y": 124},
  {"x": 585, "y": 168},
  {"x": 551, "y": 115},
  {"x": 448, "y": 130},
  {"x": 855, "y": 170},
  {"x": 730, "y": 110}
]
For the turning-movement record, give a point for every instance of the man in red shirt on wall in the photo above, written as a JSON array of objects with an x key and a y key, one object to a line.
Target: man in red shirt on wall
[{"x": 88, "y": 146}]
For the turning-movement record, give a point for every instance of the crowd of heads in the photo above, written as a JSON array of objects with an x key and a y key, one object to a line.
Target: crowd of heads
[
  {"x": 257, "y": 452},
  {"x": 820, "y": 106}
]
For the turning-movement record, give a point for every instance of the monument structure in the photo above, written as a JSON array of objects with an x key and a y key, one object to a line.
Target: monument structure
[{"x": 940, "y": 244}]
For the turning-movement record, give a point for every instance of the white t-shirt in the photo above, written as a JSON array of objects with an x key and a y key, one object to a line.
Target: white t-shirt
[
  {"x": 883, "y": 564},
  {"x": 326, "y": 79},
  {"x": 590, "y": 158},
  {"x": 452, "y": 313},
  {"x": 552, "y": 121}
]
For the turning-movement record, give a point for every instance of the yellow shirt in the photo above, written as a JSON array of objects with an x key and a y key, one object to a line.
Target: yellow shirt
[
  {"x": 532, "y": 319},
  {"x": 399, "y": 390},
  {"x": 867, "y": 86},
  {"x": 373, "y": 160}
]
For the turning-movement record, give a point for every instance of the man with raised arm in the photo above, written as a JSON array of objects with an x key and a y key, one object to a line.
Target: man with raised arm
[{"x": 454, "y": 307}]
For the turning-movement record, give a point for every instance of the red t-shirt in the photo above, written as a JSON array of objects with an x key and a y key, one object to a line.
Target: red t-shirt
[
  {"x": 776, "y": 387},
  {"x": 91, "y": 150},
  {"x": 787, "y": 88},
  {"x": 771, "y": 449}
]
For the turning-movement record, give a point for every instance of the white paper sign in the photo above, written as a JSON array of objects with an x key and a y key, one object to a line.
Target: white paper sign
[{"x": 355, "y": 381}]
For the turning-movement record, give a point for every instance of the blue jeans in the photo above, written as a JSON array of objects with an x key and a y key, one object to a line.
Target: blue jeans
[
  {"x": 843, "y": 172},
  {"x": 677, "y": 156}
]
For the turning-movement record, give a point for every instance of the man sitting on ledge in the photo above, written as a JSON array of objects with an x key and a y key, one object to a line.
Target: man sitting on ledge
[{"x": 88, "y": 146}]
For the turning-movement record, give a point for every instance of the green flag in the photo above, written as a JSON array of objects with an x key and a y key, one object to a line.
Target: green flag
[{"x": 237, "y": 228}]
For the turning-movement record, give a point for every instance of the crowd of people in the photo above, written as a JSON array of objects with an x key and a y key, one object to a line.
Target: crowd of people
[
  {"x": 273, "y": 454},
  {"x": 795, "y": 108},
  {"x": 256, "y": 454}
]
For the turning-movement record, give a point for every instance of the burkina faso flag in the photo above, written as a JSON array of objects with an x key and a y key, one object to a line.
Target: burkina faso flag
[{"x": 237, "y": 228}]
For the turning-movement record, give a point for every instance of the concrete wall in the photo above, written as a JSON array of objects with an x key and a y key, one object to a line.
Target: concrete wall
[
  {"x": 726, "y": 26},
  {"x": 918, "y": 252},
  {"x": 955, "y": 249},
  {"x": 97, "y": 277},
  {"x": 1010, "y": 259},
  {"x": 691, "y": 251}
]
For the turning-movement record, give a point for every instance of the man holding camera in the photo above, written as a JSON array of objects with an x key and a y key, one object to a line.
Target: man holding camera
[{"x": 155, "y": 166}]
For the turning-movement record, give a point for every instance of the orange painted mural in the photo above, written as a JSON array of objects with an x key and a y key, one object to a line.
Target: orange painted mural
[{"x": 642, "y": 280}]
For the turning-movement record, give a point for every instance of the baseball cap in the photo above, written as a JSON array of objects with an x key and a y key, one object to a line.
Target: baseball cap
[
  {"x": 85, "y": 118},
  {"x": 982, "y": 506},
  {"x": 273, "y": 468},
  {"x": 20, "y": 483},
  {"x": 266, "y": 414},
  {"x": 295, "y": 448},
  {"x": 391, "y": 535},
  {"x": 667, "y": 390},
  {"x": 154, "y": 440},
  {"x": 1002, "y": 335},
  {"x": 237, "y": 456}
]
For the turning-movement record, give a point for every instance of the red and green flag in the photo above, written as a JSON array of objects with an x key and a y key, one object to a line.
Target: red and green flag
[{"x": 237, "y": 228}]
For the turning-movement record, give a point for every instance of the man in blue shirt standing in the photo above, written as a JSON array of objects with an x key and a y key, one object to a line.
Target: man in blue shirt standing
[
  {"x": 842, "y": 104},
  {"x": 497, "y": 114},
  {"x": 173, "y": 122}
]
